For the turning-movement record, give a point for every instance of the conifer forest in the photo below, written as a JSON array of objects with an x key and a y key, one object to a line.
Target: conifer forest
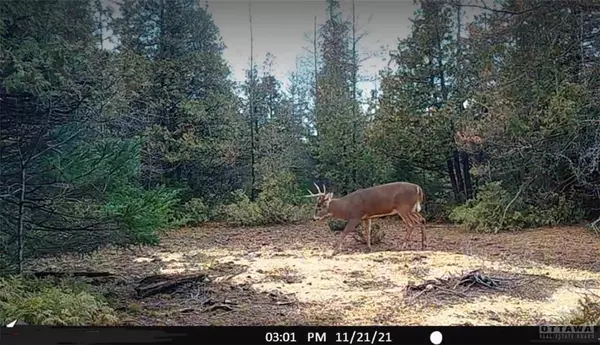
[{"x": 141, "y": 184}]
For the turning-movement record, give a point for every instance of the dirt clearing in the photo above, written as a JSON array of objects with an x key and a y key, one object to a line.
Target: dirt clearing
[{"x": 285, "y": 275}]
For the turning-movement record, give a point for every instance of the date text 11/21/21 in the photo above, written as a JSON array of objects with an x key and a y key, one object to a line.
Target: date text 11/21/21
[
  {"x": 354, "y": 337},
  {"x": 363, "y": 337}
]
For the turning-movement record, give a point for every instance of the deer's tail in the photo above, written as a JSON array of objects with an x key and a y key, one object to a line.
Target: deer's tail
[{"x": 421, "y": 197}]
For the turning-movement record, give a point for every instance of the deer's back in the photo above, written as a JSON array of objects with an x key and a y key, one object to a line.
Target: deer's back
[{"x": 382, "y": 199}]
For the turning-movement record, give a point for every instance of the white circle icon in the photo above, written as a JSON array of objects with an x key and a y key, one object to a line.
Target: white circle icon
[{"x": 436, "y": 338}]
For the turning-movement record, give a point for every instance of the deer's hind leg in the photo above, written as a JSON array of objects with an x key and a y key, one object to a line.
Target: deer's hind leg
[
  {"x": 409, "y": 222},
  {"x": 422, "y": 222},
  {"x": 368, "y": 233},
  {"x": 419, "y": 220}
]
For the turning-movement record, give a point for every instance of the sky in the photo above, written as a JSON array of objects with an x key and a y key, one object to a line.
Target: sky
[{"x": 280, "y": 27}]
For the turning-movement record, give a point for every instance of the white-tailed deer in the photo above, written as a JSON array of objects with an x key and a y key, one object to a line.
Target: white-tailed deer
[{"x": 400, "y": 198}]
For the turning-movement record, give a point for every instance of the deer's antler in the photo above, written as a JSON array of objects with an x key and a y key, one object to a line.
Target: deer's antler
[{"x": 312, "y": 195}]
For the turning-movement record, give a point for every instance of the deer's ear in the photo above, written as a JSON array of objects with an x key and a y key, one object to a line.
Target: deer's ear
[{"x": 330, "y": 195}]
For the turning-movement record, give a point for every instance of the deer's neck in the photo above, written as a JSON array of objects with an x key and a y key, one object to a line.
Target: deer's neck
[{"x": 338, "y": 209}]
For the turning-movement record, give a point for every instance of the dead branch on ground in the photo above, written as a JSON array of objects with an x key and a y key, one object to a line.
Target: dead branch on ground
[{"x": 457, "y": 285}]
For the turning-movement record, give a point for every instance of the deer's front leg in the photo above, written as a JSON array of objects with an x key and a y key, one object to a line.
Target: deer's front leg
[{"x": 351, "y": 225}]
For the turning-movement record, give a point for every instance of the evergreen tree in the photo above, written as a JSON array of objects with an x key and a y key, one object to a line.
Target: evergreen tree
[
  {"x": 186, "y": 108},
  {"x": 340, "y": 130}
]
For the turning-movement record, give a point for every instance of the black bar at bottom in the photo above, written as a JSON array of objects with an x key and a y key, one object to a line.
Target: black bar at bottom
[{"x": 30, "y": 335}]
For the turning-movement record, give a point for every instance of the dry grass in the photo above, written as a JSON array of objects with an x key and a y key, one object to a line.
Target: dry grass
[{"x": 285, "y": 276}]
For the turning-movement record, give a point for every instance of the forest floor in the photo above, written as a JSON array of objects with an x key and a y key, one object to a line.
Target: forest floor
[{"x": 285, "y": 275}]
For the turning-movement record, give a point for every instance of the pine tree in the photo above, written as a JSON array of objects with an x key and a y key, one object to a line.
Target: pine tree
[{"x": 186, "y": 107}]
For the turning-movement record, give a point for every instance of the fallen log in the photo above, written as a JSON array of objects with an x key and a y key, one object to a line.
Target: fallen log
[
  {"x": 43, "y": 274},
  {"x": 163, "y": 283},
  {"x": 224, "y": 307}
]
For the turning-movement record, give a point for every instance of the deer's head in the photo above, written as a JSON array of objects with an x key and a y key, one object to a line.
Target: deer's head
[{"x": 322, "y": 205}]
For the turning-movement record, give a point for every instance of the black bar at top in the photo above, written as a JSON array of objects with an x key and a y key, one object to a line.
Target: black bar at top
[{"x": 30, "y": 335}]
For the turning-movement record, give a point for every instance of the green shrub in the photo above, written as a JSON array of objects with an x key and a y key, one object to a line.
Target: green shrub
[
  {"x": 277, "y": 211},
  {"x": 493, "y": 210},
  {"x": 557, "y": 209},
  {"x": 243, "y": 212},
  {"x": 264, "y": 211},
  {"x": 44, "y": 302},
  {"x": 142, "y": 213},
  {"x": 193, "y": 212},
  {"x": 280, "y": 202}
]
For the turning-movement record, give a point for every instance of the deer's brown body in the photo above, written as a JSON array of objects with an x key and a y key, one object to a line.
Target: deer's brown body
[
  {"x": 402, "y": 198},
  {"x": 378, "y": 201}
]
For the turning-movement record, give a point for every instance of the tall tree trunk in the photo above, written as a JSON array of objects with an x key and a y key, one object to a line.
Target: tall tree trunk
[
  {"x": 458, "y": 189},
  {"x": 459, "y": 176},
  {"x": 578, "y": 74},
  {"x": 251, "y": 101},
  {"x": 443, "y": 87},
  {"x": 466, "y": 167},
  {"x": 21, "y": 229},
  {"x": 98, "y": 5},
  {"x": 467, "y": 192},
  {"x": 316, "y": 68},
  {"x": 458, "y": 49},
  {"x": 452, "y": 175},
  {"x": 354, "y": 80}
]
